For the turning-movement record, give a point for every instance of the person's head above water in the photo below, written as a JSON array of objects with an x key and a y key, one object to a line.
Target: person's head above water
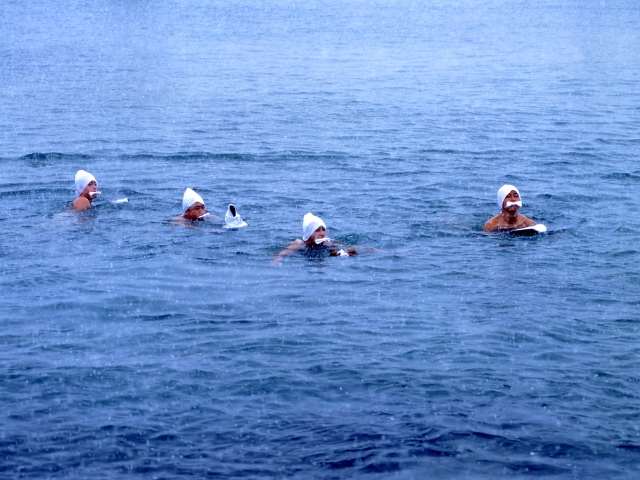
[
  {"x": 193, "y": 207},
  {"x": 86, "y": 190},
  {"x": 509, "y": 197},
  {"x": 313, "y": 229},
  {"x": 86, "y": 185}
]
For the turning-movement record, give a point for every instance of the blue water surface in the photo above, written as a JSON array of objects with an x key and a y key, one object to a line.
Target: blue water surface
[{"x": 132, "y": 347}]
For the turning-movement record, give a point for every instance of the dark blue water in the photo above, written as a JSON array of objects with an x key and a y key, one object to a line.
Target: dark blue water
[{"x": 131, "y": 347}]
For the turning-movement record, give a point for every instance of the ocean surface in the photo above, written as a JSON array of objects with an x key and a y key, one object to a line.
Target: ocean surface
[{"x": 131, "y": 347}]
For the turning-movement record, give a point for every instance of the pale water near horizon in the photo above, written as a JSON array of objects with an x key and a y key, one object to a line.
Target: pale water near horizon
[{"x": 135, "y": 348}]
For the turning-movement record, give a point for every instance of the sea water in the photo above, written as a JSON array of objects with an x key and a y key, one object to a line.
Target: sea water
[{"x": 135, "y": 347}]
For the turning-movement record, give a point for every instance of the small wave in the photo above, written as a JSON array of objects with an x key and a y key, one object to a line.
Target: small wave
[
  {"x": 37, "y": 159},
  {"x": 635, "y": 177},
  {"x": 237, "y": 157}
]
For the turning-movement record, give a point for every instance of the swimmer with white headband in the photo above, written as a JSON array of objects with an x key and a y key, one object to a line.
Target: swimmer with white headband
[
  {"x": 193, "y": 208},
  {"x": 86, "y": 190},
  {"x": 314, "y": 233},
  {"x": 509, "y": 201}
]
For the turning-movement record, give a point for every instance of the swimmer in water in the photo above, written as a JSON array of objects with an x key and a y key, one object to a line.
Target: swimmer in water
[
  {"x": 510, "y": 202},
  {"x": 86, "y": 190},
  {"x": 193, "y": 209},
  {"x": 314, "y": 235}
]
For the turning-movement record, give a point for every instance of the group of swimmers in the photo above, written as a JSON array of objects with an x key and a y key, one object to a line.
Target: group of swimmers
[{"x": 314, "y": 230}]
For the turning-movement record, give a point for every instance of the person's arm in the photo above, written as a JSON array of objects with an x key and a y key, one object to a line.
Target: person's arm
[
  {"x": 293, "y": 247},
  {"x": 80, "y": 204}
]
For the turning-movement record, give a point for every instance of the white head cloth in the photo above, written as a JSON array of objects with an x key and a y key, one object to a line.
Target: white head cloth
[
  {"x": 504, "y": 191},
  {"x": 189, "y": 198},
  {"x": 309, "y": 225},
  {"x": 82, "y": 180}
]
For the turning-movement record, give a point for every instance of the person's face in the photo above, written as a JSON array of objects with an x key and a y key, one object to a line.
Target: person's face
[
  {"x": 512, "y": 197},
  {"x": 194, "y": 211},
  {"x": 319, "y": 233},
  {"x": 92, "y": 187}
]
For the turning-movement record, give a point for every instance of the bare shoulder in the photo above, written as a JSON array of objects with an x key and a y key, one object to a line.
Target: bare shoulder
[
  {"x": 179, "y": 220},
  {"x": 295, "y": 245},
  {"x": 292, "y": 247},
  {"x": 492, "y": 224},
  {"x": 80, "y": 204},
  {"x": 525, "y": 222}
]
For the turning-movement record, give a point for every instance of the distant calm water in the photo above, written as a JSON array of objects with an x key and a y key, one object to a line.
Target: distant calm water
[{"x": 134, "y": 348}]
